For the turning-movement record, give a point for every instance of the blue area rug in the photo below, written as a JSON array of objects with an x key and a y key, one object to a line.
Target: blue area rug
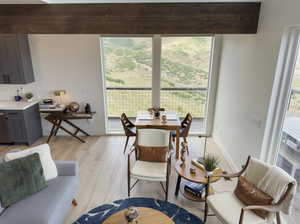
[{"x": 177, "y": 214}]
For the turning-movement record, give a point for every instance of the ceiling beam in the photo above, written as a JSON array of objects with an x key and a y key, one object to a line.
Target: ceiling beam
[{"x": 133, "y": 18}]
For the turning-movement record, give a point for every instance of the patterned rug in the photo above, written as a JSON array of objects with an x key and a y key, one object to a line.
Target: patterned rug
[{"x": 177, "y": 214}]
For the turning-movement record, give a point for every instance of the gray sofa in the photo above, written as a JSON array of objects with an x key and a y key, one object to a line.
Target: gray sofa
[{"x": 49, "y": 206}]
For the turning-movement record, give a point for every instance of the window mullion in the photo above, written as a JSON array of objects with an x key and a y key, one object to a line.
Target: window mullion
[{"x": 156, "y": 70}]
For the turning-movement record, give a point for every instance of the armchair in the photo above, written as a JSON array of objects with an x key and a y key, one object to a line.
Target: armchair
[
  {"x": 153, "y": 158},
  {"x": 230, "y": 210}
]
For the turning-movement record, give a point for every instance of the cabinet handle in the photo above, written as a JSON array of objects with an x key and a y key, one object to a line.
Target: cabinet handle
[{"x": 12, "y": 113}]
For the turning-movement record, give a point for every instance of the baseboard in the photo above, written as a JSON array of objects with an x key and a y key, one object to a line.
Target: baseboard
[{"x": 225, "y": 154}]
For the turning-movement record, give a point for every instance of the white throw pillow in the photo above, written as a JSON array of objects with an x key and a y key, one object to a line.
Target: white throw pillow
[{"x": 49, "y": 167}]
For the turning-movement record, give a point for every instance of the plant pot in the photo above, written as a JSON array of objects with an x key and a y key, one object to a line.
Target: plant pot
[{"x": 209, "y": 172}]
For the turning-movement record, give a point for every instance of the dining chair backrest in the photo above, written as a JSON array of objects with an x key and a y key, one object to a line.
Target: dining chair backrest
[
  {"x": 256, "y": 170},
  {"x": 186, "y": 125},
  {"x": 126, "y": 123},
  {"x": 159, "y": 109},
  {"x": 153, "y": 137},
  {"x": 153, "y": 144}
]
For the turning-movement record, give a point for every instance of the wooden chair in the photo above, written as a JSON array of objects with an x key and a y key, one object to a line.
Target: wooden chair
[
  {"x": 233, "y": 210},
  {"x": 159, "y": 109},
  {"x": 153, "y": 158},
  {"x": 185, "y": 129},
  {"x": 129, "y": 128}
]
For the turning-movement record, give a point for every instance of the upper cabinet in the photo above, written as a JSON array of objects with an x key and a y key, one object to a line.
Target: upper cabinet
[{"x": 15, "y": 59}]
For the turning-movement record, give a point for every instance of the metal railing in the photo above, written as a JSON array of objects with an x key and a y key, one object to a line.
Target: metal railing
[
  {"x": 133, "y": 99},
  {"x": 294, "y": 104}
]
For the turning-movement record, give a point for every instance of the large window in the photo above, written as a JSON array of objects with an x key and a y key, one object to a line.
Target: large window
[
  {"x": 185, "y": 64},
  {"x": 128, "y": 73},
  {"x": 172, "y": 72}
]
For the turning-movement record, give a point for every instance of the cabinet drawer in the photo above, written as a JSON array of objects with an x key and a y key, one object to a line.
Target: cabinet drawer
[{"x": 14, "y": 114}]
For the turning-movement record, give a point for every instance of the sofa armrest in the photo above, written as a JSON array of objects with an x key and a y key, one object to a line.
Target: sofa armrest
[{"x": 67, "y": 168}]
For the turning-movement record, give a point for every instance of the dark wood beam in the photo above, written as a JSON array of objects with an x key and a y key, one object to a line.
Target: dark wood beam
[{"x": 133, "y": 18}]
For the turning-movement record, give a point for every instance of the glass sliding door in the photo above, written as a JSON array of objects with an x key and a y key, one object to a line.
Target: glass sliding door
[
  {"x": 128, "y": 75},
  {"x": 185, "y": 69},
  {"x": 289, "y": 151}
]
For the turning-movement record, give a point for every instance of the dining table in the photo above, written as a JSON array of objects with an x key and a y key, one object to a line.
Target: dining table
[{"x": 146, "y": 120}]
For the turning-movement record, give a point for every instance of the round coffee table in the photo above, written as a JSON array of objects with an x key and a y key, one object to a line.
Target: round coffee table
[
  {"x": 146, "y": 216},
  {"x": 199, "y": 177}
]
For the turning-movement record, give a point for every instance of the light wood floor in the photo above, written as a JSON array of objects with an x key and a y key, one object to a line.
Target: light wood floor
[{"x": 103, "y": 175}]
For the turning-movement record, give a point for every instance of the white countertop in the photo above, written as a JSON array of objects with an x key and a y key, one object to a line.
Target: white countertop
[{"x": 13, "y": 105}]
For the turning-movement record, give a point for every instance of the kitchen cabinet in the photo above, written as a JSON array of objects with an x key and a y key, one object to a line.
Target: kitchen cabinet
[
  {"x": 20, "y": 126},
  {"x": 15, "y": 59}
]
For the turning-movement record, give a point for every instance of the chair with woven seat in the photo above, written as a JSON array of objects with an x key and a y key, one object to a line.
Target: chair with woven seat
[
  {"x": 184, "y": 129},
  {"x": 153, "y": 159},
  {"x": 129, "y": 128},
  {"x": 260, "y": 180}
]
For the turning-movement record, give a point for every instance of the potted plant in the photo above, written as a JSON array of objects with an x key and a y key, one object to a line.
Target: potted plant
[
  {"x": 210, "y": 163},
  {"x": 29, "y": 96}
]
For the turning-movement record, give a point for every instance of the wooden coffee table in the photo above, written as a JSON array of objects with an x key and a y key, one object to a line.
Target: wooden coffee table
[
  {"x": 199, "y": 177},
  {"x": 146, "y": 216}
]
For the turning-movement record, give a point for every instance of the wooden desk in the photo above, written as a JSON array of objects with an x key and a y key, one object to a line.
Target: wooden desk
[
  {"x": 56, "y": 118},
  {"x": 157, "y": 123},
  {"x": 146, "y": 216}
]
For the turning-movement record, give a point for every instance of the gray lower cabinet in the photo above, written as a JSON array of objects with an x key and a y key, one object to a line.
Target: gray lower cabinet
[
  {"x": 15, "y": 59},
  {"x": 20, "y": 126}
]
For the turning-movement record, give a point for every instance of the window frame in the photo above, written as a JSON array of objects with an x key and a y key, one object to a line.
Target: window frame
[{"x": 156, "y": 75}]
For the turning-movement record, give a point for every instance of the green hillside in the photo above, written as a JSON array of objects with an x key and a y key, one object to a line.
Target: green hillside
[{"x": 185, "y": 63}]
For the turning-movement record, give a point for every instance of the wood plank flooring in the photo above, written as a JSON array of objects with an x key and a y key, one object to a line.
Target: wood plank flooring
[{"x": 103, "y": 175}]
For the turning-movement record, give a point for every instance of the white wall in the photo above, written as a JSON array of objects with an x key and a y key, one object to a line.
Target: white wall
[
  {"x": 247, "y": 69},
  {"x": 69, "y": 62}
]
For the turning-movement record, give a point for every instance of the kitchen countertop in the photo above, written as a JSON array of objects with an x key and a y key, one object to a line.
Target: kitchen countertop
[{"x": 13, "y": 105}]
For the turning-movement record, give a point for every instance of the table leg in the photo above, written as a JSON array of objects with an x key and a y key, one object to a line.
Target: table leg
[
  {"x": 70, "y": 133},
  {"x": 77, "y": 128},
  {"x": 177, "y": 143},
  {"x": 177, "y": 185},
  {"x": 57, "y": 128},
  {"x": 205, "y": 200},
  {"x": 52, "y": 130}
]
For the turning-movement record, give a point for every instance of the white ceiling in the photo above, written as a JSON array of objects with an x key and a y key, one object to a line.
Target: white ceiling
[{"x": 111, "y": 1}]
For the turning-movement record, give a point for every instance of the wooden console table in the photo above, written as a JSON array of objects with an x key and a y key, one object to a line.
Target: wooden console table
[{"x": 57, "y": 118}]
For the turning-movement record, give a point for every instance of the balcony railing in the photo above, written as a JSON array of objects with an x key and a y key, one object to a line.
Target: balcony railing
[
  {"x": 133, "y": 99},
  {"x": 294, "y": 105}
]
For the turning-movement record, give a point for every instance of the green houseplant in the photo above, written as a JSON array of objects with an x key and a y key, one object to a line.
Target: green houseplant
[
  {"x": 210, "y": 163},
  {"x": 29, "y": 96}
]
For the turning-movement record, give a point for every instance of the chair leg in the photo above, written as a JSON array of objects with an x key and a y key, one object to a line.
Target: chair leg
[
  {"x": 187, "y": 148},
  {"x": 128, "y": 184},
  {"x": 126, "y": 144},
  {"x": 278, "y": 219},
  {"x": 167, "y": 188},
  {"x": 74, "y": 202}
]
